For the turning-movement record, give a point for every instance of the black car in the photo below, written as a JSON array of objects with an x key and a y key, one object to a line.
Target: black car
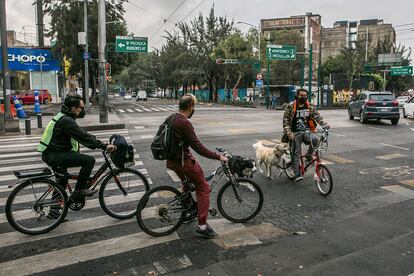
[{"x": 374, "y": 105}]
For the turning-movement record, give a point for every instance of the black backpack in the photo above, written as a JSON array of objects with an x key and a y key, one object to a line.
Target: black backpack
[
  {"x": 163, "y": 146},
  {"x": 124, "y": 153}
]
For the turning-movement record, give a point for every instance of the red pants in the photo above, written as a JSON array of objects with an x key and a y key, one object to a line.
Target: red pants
[{"x": 193, "y": 171}]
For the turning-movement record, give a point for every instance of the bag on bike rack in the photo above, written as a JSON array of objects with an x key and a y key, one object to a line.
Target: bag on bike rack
[
  {"x": 163, "y": 146},
  {"x": 124, "y": 153}
]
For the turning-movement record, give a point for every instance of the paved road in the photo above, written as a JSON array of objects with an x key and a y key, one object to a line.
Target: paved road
[{"x": 364, "y": 227}]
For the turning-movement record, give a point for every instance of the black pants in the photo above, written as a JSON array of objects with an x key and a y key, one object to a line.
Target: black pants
[{"x": 66, "y": 160}]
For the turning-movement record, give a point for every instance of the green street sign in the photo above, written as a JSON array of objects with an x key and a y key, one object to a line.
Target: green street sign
[
  {"x": 281, "y": 52},
  {"x": 401, "y": 71},
  {"x": 131, "y": 44}
]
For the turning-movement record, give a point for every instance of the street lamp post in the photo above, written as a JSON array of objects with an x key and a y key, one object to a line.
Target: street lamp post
[
  {"x": 103, "y": 109},
  {"x": 85, "y": 27}
]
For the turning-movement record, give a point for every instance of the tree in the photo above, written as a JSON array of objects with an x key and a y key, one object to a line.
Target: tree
[{"x": 67, "y": 20}]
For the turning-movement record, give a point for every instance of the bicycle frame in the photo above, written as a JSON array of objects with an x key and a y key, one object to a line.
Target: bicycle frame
[{"x": 96, "y": 179}]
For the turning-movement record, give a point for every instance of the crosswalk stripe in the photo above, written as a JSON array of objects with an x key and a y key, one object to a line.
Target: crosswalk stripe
[
  {"x": 267, "y": 143},
  {"x": 391, "y": 156},
  {"x": 146, "y": 109},
  {"x": 409, "y": 182},
  {"x": 399, "y": 190},
  {"x": 129, "y": 110},
  {"x": 92, "y": 203},
  {"x": 81, "y": 253},
  {"x": 173, "y": 176},
  {"x": 171, "y": 109},
  {"x": 121, "y": 110},
  {"x": 163, "y": 109},
  {"x": 155, "y": 109},
  {"x": 138, "y": 110}
]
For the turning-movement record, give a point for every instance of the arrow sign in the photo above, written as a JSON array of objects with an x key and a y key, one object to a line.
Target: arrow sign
[
  {"x": 131, "y": 44},
  {"x": 281, "y": 52},
  {"x": 121, "y": 45}
]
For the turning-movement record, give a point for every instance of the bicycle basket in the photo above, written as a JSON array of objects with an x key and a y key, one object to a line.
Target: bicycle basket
[{"x": 124, "y": 155}]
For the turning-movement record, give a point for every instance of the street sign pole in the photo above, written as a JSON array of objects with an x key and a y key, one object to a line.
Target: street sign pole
[
  {"x": 5, "y": 62},
  {"x": 103, "y": 109},
  {"x": 268, "y": 82},
  {"x": 85, "y": 24},
  {"x": 302, "y": 71},
  {"x": 310, "y": 66}
]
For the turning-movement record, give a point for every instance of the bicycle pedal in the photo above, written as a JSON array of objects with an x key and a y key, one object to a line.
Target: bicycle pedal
[{"x": 213, "y": 212}]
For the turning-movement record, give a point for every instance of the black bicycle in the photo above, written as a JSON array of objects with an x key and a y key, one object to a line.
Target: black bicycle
[
  {"x": 39, "y": 204},
  {"x": 162, "y": 210}
]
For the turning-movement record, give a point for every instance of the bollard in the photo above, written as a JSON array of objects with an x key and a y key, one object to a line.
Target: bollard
[
  {"x": 39, "y": 120},
  {"x": 27, "y": 126}
]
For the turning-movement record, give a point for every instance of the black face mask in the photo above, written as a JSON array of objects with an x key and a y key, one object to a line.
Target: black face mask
[
  {"x": 302, "y": 100},
  {"x": 82, "y": 113},
  {"x": 191, "y": 114}
]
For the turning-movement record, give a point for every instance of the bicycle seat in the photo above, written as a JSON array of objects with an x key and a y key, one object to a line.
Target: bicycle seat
[{"x": 42, "y": 172}]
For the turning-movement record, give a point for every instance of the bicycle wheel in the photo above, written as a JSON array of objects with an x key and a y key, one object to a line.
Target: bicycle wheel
[
  {"x": 36, "y": 206},
  {"x": 323, "y": 180},
  {"x": 113, "y": 200},
  {"x": 159, "y": 212},
  {"x": 288, "y": 169},
  {"x": 240, "y": 202}
]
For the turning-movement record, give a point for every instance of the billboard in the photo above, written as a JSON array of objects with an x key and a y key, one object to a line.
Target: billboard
[{"x": 27, "y": 59}]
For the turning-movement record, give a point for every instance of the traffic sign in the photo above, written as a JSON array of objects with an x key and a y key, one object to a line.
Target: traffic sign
[
  {"x": 259, "y": 77},
  {"x": 259, "y": 83},
  {"x": 281, "y": 52},
  {"x": 131, "y": 44},
  {"x": 86, "y": 56},
  {"x": 401, "y": 71}
]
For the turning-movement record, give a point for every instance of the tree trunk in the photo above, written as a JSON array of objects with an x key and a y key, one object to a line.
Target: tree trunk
[{"x": 211, "y": 90}]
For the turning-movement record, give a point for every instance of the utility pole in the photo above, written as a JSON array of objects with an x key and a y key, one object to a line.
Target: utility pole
[
  {"x": 103, "y": 108},
  {"x": 85, "y": 24},
  {"x": 310, "y": 65},
  {"x": 319, "y": 67},
  {"x": 40, "y": 25},
  {"x": 366, "y": 45},
  {"x": 5, "y": 63}
]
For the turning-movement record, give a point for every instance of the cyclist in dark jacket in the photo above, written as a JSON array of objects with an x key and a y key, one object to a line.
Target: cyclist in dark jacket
[{"x": 60, "y": 144}]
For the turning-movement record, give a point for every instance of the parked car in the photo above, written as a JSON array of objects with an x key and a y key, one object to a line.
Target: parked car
[
  {"x": 374, "y": 105},
  {"x": 127, "y": 97},
  {"x": 28, "y": 97},
  {"x": 408, "y": 108},
  {"x": 142, "y": 95},
  {"x": 402, "y": 99},
  {"x": 116, "y": 95}
]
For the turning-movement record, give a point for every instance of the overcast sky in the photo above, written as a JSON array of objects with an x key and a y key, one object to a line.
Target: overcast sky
[{"x": 21, "y": 14}]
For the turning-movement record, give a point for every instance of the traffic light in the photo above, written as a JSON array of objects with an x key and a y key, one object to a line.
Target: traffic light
[{"x": 108, "y": 69}]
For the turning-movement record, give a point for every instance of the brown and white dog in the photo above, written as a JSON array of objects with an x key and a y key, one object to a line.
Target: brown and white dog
[{"x": 269, "y": 156}]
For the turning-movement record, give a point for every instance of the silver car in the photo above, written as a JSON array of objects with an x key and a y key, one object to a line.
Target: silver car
[{"x": 374, "y": 105}]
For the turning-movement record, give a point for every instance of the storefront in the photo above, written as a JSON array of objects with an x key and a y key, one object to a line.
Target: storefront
[{"x": 33, "y": 68}]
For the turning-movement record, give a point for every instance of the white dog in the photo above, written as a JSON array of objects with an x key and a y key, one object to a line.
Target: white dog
[{"x": 269, "y": 156}]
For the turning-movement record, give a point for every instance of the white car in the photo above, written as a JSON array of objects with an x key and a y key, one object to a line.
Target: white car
[
  {"x": 402, "y": 99},
  {"x": 116, "y": 95},
  {"x": 408, "y": 108},
  {"x": 142, "y": 95},
  {"x": 128, "y": 97}
]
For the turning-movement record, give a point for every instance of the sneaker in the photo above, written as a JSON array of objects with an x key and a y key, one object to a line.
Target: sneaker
[
  {"x": 207, "y": 233},
  {"x": 298, "y": 178},
  {"x": 79, "y": 194}
]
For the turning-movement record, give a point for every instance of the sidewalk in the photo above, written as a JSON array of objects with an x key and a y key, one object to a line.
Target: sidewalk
[{"x": 89, "y": 123}]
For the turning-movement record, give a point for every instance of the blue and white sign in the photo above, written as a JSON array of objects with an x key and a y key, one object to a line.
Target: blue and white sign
[
  {"x": 25, "y": 59},
  {"x": 259, "y": 83},
  {"x": 86, "y": 56}
]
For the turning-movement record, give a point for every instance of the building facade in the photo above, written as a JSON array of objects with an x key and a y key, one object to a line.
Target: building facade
[
  {"x": 309, "y": 27},
  {"x": 344, "y": 34}
]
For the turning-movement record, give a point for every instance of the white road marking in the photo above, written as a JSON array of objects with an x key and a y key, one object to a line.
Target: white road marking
[
  {"x": 139, "y": 127},
  {"x": 121, "y": 110},
  {"x": 163, "y": 109},
  {"x": 396, "y": 147},
  {"x": 173, "y": 176},
  {"x": 147, "y": 136},
  {"x": 129, "y": 110},
  {"x": 412, "y": 129},
  {"x": 146, "y": 109},
  {"x": 377, "y": 128},
  {"x": 337, "y": 134},
  {"x": 155, "y": 109},
  {"x": 391, "y": 156},
  {"x": 138, "y": 110},
  {"x": 400, "y": 190},
  {"x": 84, "y": 253}
]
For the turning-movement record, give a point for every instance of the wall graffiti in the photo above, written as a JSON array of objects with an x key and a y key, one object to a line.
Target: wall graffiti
[{"x": 343, "y": 96}]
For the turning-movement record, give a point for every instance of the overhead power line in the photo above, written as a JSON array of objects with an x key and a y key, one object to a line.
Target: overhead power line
[
  {"x": 165, "y": 21},
  {"x": 144, "y": 9}
]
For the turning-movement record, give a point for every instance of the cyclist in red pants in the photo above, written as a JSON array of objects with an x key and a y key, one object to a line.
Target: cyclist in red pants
[{"x": 185, "y": 165}]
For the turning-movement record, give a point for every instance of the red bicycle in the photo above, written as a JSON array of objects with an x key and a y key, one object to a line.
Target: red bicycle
[{"x": 322, "y": 176}]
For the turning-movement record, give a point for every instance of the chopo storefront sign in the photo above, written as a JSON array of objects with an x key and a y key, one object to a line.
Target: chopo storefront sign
[{"x": 23, "y": 59}]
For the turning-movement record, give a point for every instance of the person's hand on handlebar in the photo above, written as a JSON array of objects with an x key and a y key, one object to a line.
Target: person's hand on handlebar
[
  {"x": 110, "y": 148},
  {"x": 224, "y": 159}
]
